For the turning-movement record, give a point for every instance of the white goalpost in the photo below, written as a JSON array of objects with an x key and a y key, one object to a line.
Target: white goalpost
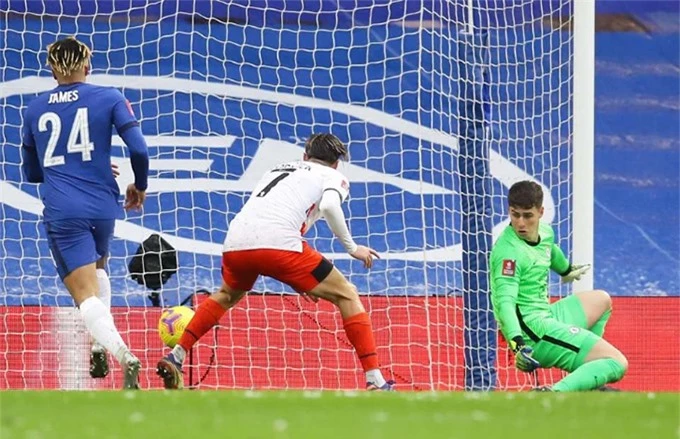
[
  {"x": 584, "y": 138},
  {"x": 443, "y": 105}
]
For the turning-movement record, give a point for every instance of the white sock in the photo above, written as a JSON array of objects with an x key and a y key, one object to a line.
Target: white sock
[
  {"x": 104, "y": 287},
  {"x": 179, "y": 353},
  {"x": 105, "y": 297},
  {"x": 99, "y": 322},
  {"x": 375, "y": 376}
]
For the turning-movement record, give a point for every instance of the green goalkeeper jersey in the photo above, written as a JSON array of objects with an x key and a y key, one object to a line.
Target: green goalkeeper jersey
[{"x": 519, "y": 277}]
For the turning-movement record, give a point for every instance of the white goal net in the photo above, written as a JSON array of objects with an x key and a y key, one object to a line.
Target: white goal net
[{"x": 225, "y": 90}]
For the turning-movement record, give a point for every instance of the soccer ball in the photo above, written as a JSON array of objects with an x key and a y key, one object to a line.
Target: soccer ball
[{"x": 172, "y": 323}]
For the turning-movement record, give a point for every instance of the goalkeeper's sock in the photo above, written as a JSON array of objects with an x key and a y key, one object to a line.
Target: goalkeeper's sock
[
  {"x": 360, "y": 333},
  {"x": 591, "y": 375},
  {"x": 105, "y": 297},
  {"x": 207, "y": 315},
  {"x": 598, "y": 327},
  {"x": 99, "y": 322}
]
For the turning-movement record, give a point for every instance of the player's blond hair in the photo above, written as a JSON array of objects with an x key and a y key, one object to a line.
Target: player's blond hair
[{"x": 68, "y": 56}]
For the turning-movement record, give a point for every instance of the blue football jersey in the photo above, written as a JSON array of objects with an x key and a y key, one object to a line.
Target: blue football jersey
[{"x": 70, "y": 128}]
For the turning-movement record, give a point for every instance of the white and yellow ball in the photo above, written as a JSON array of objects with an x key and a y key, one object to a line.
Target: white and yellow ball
[{"x": 172, "y": 323}]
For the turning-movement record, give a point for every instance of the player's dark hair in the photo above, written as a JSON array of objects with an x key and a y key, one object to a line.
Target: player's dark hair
[
  {"x": 525, "y": 195},
  {"x": 325, "y": 147},
  {"x": 68, "y": 56}
]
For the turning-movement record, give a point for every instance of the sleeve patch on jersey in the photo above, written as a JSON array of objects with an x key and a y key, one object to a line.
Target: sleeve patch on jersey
[
  {"x": 344, "y": 184},
  {"x": 129, "y": 107},
  {"x": 508, "y": 267}
]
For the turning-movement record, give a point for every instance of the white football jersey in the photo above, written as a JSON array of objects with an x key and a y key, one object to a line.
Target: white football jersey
[{"x": 283, "y": 206}]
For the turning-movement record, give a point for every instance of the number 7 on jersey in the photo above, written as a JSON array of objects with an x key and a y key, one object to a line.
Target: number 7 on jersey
[{"x": 272, "y": 183}]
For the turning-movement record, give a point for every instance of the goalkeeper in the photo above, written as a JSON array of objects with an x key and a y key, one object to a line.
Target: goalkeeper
[{"x": 566, "y": 334}]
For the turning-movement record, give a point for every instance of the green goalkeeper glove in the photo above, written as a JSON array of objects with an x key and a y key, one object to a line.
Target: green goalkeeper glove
[
  {"x": 524, "y": 360},
  {"x": 575, "y": 273}
]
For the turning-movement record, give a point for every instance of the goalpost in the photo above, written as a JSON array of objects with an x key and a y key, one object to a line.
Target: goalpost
[{"x": 444, "y": 104}]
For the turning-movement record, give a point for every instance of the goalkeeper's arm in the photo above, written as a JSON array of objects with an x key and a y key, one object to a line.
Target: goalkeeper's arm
[
  {"x": 504, "y": 297},
  {"x": 560, "y": 265},
  {"x": 558, "y": 262},
  {"x": 509, "y": 322}
]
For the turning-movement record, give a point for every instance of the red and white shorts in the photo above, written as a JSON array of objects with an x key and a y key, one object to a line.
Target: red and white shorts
[{"x": 301, "y": 270}]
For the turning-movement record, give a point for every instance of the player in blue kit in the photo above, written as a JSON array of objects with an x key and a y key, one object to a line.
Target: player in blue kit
[{"x": 67, "y": 146}]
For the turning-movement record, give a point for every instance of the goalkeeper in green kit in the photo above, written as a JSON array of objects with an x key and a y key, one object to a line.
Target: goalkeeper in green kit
[{"x": 566, "y": 334}]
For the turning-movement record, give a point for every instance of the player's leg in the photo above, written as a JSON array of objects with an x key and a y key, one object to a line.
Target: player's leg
[
  {"x": 237, "y": 280},
  {"x": 73, "y": 246},
  {"x": 597, "y": 306},
  {"x": 99, "y": 365},
  {"x": 309, "y": 272},
  {"x": 603, "y": 364},
  {"x": 207, "y": 316},
  {"x": 104, "y": 281},
  {"x": 357, "y": 324},
  {"x": 592, "y": 361},
  {"x": 336, "y": 289},
  {"x": 587, "y": 309},
  {"x": 102, "y": 231}
]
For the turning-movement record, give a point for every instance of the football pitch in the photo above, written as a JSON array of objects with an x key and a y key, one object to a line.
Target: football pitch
[{"x": 346, "y": 415}]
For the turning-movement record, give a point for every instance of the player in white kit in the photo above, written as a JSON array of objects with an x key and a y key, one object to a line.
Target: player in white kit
[{"x": 266, "y": 238}]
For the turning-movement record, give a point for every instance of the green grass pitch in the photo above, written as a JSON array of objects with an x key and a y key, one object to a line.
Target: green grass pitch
[{"x": 346, "y": 415}]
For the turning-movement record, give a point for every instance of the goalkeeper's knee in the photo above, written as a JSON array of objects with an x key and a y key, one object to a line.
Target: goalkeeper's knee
[{"x": 617, "y": 368}]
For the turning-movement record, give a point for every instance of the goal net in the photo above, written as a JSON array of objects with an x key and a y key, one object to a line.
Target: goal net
[{"x": 443, "y": 105}]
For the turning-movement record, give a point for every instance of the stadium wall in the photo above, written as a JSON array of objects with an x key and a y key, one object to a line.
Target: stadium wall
[
  {"x": 260, "y": 345},
  {"x": 313, "y": 11},
  {"x": 339, "y": 13}
]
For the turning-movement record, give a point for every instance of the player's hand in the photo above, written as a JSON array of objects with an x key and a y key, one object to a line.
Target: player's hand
[
  {"x": 524, "y": 359},
  {"x": 365, "y": 255},
  {"x": 134, "y": 198},
  {"x": 114, "y": 170},
  {"x": 575, "y": 274},
  {"x": 309, "y": 298}
]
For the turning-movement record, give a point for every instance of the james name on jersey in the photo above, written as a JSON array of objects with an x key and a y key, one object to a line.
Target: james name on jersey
[{"x": 62, "y": 97}]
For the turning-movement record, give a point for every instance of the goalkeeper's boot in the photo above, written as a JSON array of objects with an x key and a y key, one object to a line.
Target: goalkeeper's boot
[
  {"x": 607, "y": 389},
  {"x": 170, "y": 370},
  {"x": 543, "y": 389},
  {"x": 99, "y": 364},
  {"x": 387, "y": 387},
  {"x": 131, "y": 367}
]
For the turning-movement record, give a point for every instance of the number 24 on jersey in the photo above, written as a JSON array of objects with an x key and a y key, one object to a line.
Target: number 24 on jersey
[{"x": 78, "y": 139}]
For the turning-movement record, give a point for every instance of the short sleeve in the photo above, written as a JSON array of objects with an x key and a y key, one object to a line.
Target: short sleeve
[{"x": 335, "y": 181}]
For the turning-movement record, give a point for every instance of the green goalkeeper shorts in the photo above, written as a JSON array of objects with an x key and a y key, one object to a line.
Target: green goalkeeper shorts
[{"x": 566, "y": 341}]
